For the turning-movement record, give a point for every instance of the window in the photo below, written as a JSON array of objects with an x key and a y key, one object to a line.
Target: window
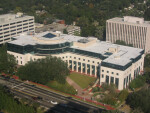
[
  {"x": 83, "y": 59},
  {"x": 88, "y": 60},
  {"x": 117, "y": 82},
  {"x": 117, "y": 73},
  {"x": 6, "y": 28},
  {"x": 112, "y": 80},
  {"x": 112, "y": 72},
  {"x": 107, "y": 71},
  {"x": 102, "y": 75},
  {"x": 102, "y": 70},
  {"x": 97, "y": 62},
  {"x": 107, "y": 79},
  {"x": 19, "y": 25},
  {"x": 74, "y": 57},
  {"x": 5, "y": 25},
  {"x": 12, "y": 23},
  {"x": 13, "y": 27},
  {"x": 66, "y": 56},
  {"x": 63, "y": 57},
  {"x": 20, "y": 57},
  {"x": 21, "y": 62},
  {"x": 93, "y": 61},
  {"x": 79, "y": 58},
  {"x": 70, "y": 56},
  {"x": 19, "y": 22},
  {"x": 25, "y": 20},
  {"x": 25, "y": 24}
]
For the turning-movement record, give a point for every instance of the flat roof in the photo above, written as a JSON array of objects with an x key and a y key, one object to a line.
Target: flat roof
[
  {"x": 121, "y": 20},
  {"x": 122, "y": 56},
  {"x": 9, "y": 18}
]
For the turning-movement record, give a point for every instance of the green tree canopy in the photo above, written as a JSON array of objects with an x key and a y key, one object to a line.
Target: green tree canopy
[
  {"x": 10, "y": 105},
  {"x": 140, "y": 99},
  {"x": 120, "y": 42},
  {"x": 7, "y": 61},
  {"x": 44, "y": 70}
]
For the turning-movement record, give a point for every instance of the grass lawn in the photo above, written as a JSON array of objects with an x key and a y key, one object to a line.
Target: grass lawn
[
  {"x": 66, "y": 88},
  {"x": 82, "y": 80}
]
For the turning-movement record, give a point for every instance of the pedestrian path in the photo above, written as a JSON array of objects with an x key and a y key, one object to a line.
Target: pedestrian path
[{"x": 80, "y": 91}]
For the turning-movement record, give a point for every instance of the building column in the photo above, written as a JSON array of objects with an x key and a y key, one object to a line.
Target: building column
[
  {"x": 76, "y": 66},
  {"x": 81, "y": 67},
  {"x": 85, "y": 68},
  {"x": 90, "y": 69},
  {"x": 72, "y": 66},
  {"x": 95, "y": 71}
]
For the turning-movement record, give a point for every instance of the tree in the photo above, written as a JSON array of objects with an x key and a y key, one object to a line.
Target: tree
[
  {"x": 140, "y": 100},
  {"x": 123, "y": 95},
  {"x": 99, "y": 32},
  {"x": 7, "y": 61},
  {"x": 44, "y": 70},
  {"x": 120, "y": 42},
  {"x": 17, "y": 9},
  {"x": 65, "y": 31},
  {"x": 10, "y": 105}
]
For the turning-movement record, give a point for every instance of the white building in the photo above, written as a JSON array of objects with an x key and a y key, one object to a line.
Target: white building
[
  {"x": 72, "y": 30},
  {"x": 13, "y": 24},
  {"x": 132, "y": 30},
  {"x": 110, "y": 62}
]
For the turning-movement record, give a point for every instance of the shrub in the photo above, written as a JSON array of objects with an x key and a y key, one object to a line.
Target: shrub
[
  {"x": 96, "y": 89},
  {"x": 123, "y": 95},
  {"x": 137, "y": 82}
]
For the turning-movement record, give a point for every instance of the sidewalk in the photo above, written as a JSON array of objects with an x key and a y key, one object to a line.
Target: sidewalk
[{"x": 80, "y": 91}]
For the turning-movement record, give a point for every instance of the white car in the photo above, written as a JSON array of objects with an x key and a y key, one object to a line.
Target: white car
[{"x": 54, "y": 102}]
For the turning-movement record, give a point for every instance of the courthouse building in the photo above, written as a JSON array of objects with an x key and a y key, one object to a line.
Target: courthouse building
[
  {"x": 111, "y": 63},
  {"x": 131, "y": 30}
]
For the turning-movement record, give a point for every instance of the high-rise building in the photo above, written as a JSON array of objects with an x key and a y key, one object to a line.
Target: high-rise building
[
  {"x": 111, "y": 63},
  {"x": 131, "y": 30},
  {"x": 13, "y": 24}
]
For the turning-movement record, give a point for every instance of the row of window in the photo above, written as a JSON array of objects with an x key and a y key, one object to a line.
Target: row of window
[
  {"x": 112, "y": 80},
  {"x": 127, "y": 32},
  {"x": 80, "y": 59},
  {"x": 16, "y": 27},
  {"x": 110, "y": 72}
]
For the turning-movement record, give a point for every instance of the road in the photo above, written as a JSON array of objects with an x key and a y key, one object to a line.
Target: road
[{"x": 65, "y": 104}]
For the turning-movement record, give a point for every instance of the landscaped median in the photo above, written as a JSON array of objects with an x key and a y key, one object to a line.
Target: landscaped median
[
  {"x": 66, "y": 88},
  {"x": 82, "y": 80}
]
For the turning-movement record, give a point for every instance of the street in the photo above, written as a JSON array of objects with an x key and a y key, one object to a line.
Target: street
[{"x": 64, "y": 104}]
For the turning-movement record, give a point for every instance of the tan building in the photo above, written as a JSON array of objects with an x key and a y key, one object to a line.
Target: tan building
[
  {"x": 132, "y": 30},
  {"x": 13, "y": 24},
  {"x": 110, "y": 63}
]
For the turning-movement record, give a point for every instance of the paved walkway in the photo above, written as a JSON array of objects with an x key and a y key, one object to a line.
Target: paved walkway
[{"x": 80, "y": 91}]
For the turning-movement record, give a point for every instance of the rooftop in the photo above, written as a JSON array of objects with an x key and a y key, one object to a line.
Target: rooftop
[
  {"x": 131, "y": 20},
  {"x": 8, "y": 18},
  {"x": 115, "y": 54}
]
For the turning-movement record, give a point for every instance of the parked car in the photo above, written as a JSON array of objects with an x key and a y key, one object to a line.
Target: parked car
[
  {"x": 63, "y": 105},
  {"x": 54, "y": 102}
]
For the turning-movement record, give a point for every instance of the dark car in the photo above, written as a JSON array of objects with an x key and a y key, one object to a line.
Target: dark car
[
  {"x": 34, "y": 98},
  {"x": 40, "y": 98}
]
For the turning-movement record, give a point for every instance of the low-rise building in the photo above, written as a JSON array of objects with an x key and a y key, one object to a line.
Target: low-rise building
[
  {"x": 111, "y": 63},
  {"x": 71, "y": 29}
]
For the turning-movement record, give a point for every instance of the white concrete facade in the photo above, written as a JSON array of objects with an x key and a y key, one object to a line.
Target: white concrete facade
[
  {"x": 131, "y": 30},
  {"x": 110, "y": 62},
  {"x": 13, "y": 24}
]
